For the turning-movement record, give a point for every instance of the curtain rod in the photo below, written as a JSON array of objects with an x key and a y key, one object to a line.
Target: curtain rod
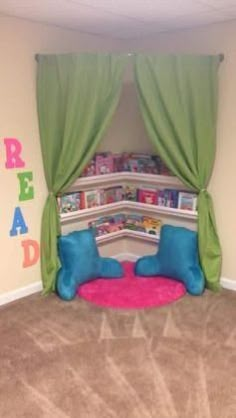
[
  {"x": 130, "y": 54},
  {"x": 221, "y": 56}
]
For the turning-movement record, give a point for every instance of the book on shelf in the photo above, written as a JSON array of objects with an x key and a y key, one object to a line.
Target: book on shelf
[
  {"x": 187, "y": 201},
  {"x": 69, "y": 202},
  {"x": 90, "y": 199},
  {"x": 90, "y": 169},
  {"x": 167, "y": 198},
  {"x": 130, "y": 193},
  {"x": 152, "y": 225},
  {"x": 107, "y": 162},
  {"x": 134, "y": 222},
  {"x": 112, "y": 195},
  {"x": 118, "y": 163},
  {"x": 108, "y": 224},
  {"x": 147, "y": 195},
  {"x": 119, "y": 218},
  {"x": 145, "y": 163},
  {"x": 133, "y": 165},
  {"x": 104, "y": 163}
]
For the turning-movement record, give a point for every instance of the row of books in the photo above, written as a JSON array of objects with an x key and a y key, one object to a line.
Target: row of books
[
  {"x": 135, "y": 222},
  {"x": 89, "y": 199},
  {"x": 171, "y": 198},
  {"x": 107, "y": 162}
]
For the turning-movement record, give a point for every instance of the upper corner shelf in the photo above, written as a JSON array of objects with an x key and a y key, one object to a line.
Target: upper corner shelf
[{"x": 116, "y": 178}]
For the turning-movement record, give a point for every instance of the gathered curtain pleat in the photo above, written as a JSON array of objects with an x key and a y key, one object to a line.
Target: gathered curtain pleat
[
  {"x": 178, "y": 102},
  {"x": 76, "y": 97}
]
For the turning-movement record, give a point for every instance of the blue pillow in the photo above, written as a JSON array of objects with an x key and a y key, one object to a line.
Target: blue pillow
[
  {"x": 81, "y": 262},
  {"x": 177, "y": 258}
]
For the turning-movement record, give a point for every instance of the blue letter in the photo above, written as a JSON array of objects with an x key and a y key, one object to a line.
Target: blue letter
[{"x": 18, "y": 223}]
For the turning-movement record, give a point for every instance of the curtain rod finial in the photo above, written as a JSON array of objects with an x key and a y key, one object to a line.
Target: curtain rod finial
[
  {"x": 36, "y": 57},
  {"x": 221, "y": 57}
]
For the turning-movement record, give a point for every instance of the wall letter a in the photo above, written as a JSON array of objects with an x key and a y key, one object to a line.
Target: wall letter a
[{"x": 18, "y": 225}]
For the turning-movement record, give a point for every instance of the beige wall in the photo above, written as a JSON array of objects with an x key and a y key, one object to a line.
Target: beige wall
[
  {"x": 127, "y": 131},
  {"x": 19, "y": 41},
  {"x": 214, "y": 39}
]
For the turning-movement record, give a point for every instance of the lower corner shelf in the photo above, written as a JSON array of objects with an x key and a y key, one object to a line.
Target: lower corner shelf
[{"x": 127, "y": 233}]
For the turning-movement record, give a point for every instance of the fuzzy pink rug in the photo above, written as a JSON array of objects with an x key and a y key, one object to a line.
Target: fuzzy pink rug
[{"x": 131, "y": 292}]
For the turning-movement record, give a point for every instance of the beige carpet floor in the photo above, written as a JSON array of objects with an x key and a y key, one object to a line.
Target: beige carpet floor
[{"x": 75, "y": 360}]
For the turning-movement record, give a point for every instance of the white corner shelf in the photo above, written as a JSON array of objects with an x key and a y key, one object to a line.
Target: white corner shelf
[
  {"x": 127, "y": 233},
  {"x": 113, "y": 179},
  {"x": 124, "y": 206},
  {"x": 79, "y": 215},
  {"x": 155, "y": 209}
]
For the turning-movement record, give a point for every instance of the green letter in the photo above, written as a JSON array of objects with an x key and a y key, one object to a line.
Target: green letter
[{"x": 26, "y": 191}]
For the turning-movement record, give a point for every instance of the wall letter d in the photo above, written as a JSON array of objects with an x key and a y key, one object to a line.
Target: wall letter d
[{"x": 31, "y": 252}]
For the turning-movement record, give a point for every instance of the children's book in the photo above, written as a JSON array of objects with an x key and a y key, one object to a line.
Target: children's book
[
  {"x": 134, "y": 222},
  {"x": 187, "y": 201},
  {"x": 161, "y": 197},
  {"x": 152, "y": 225},
  {"x": 119, "y": 218},
  {"x": 157, "y": 164},
  {"x": 108, "y": 224},
  {"x": 130, "y": 193},
  {"x": 172, "y": 198},
  {"x": 104, "y": 163},
  {"x": 147, "y": 195},
  {"x": 113, "y": 194},
  {"x": 133, "y": 165},
  {"x": 90, "y": 169},
  {"x": 69, "y": 202},
  {"x": 117, "y": 163},
  {"x": 125, "y": 161},
  {"x": 102, "y": 229},
  {"x": 90, "y": 199}
]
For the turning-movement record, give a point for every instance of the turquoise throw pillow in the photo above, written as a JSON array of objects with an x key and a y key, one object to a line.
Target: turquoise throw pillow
[
  {"x": 81, "y": 262},
  {"x": 176, "y": 258}
]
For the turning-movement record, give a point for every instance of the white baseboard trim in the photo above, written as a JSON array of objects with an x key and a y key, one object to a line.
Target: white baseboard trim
[
  {"x": 229, "y": 284},
  {"x": 226, "y": 283},
  {"x": 20, "y": 293},
  {"x": 36, "y": 287}
]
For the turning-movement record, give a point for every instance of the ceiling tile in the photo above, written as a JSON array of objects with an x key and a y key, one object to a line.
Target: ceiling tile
[
  {"x": 197, "y": 19},
  {"x": 222, "y": 4},
  {"x": 144, "y": 9},
  {"x": 138, "y": 32},
  {"x": 122, "y": 18},
  {"x": 73, "y": 16}
]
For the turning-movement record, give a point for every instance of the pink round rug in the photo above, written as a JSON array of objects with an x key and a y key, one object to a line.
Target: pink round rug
[{"x": 131, "y": 292}]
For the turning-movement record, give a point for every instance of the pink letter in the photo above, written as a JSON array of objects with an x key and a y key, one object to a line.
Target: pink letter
[
  {"x": 30, "y": 257},
  {"x": 13, "y": 151}
]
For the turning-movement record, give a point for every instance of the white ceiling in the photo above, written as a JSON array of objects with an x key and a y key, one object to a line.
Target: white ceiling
[{"x": 122, "y": 19}]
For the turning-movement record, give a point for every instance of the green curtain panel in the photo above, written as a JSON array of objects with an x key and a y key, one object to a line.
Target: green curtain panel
[
  {"x": 178, "y": 101},
  {"x": 76, "y": 96}
]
